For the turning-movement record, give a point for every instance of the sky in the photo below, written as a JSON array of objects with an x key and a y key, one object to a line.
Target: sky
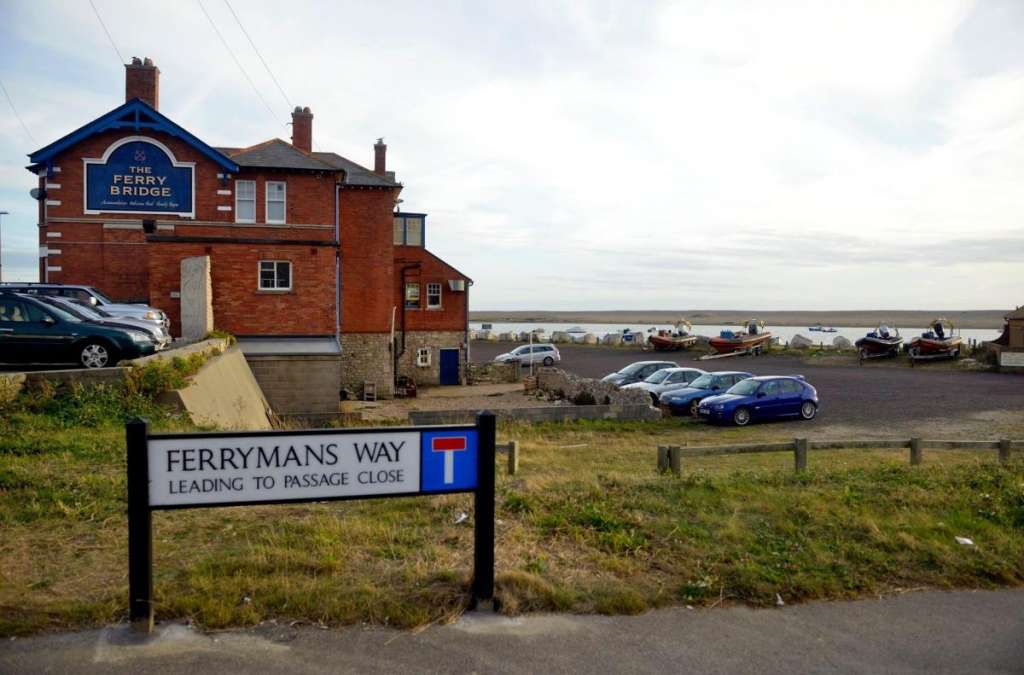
[{"x": 599, "y": 155}]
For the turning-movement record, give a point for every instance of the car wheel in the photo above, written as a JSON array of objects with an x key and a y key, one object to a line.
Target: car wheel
[
  {"x": 95, "y": 355},
  {"x": 808, "y": 410},
  {"x": 741, "y": 417},
  {"x": 694, "y": 408},
  {"x": 548, "y": 361}
]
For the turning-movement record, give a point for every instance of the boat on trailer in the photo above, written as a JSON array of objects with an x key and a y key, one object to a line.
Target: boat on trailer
[
  {"x": 941, "y": 341},
  {"x": 752, "y": 340},
  {"x": 673, "y": 340},
  {"x": 883, "y": 341}
]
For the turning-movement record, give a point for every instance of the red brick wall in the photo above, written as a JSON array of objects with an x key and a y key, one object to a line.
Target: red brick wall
[
  {"x": 452, "y": 315},
  {"x": 367, "y": 261},
  {"x": 309, "y": 198},
  {"x": 238, "y": 306}
]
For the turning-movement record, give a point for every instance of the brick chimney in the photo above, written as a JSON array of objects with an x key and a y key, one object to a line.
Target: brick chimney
[
  {"x": 380, "y": 152},
  {"x": 142, "y": 80},
  {"x": 302, "y": 129}
]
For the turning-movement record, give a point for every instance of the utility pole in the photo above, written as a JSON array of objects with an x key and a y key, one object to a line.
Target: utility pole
[{"x": 2, "y": 214}]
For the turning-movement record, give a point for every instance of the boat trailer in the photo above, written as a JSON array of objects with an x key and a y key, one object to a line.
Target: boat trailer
[{"x": 752, "y": 351}]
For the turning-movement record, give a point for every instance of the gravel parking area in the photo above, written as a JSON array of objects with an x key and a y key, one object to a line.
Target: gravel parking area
[{"x": 883, "y": 400}]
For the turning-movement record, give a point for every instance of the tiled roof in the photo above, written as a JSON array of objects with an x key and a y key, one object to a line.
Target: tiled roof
[
  {"x": 276, "y": 154},
  {"x": 354, "y": 173}
]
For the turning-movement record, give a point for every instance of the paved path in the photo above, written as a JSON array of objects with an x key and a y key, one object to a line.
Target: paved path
[{"x": 933, "y": 632}]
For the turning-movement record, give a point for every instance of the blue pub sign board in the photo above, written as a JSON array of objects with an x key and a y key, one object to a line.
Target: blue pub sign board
[{"x": 139, "y": 175}]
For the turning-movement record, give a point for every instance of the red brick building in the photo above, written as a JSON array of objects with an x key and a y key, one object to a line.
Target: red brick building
[{"x": 302, "y": 245}]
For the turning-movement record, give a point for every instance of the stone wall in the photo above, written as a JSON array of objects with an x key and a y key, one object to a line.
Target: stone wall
[
  {"x": 493, "y": 372},
  {"x": 299, "y": 386},
  {"x": 559, "y": 384},
  {"x": 435, "y": 341},
  {"x": 366, "y": 357}
]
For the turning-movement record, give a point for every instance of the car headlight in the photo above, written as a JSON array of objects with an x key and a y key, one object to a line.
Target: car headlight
[
  {"x": 151, "y": 316},
  {"x": 138, "y": 337}
]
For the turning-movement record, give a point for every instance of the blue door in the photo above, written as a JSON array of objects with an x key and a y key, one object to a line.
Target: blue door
[{"x": 449, "y": 366}]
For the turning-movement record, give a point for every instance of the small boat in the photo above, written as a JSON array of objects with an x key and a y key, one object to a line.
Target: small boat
[
  {"x": 882, "y": 341},
  {"x": 941, "y": 341},
  {"x": 754, "y": 338},
  {"x": 818, "y": 328},
  {"x": 675, "y": 339},
  {"x": 576, "y": 329}
]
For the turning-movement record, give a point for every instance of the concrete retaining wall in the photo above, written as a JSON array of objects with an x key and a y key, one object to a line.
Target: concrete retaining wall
[
  {"x": 299, "y": 386},
  {"x": 224, "y": 393},
  {"x": 555, "y": 413}
]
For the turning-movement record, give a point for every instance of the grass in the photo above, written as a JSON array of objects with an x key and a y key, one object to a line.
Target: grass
[{"x": 587, "y": 526}]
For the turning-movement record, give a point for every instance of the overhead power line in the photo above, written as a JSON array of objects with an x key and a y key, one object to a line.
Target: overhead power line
[
  {"x": 24, "y": 127},
  {"x": 237, "y": 62},
  {"x": 255, "y": 49},
  {"x": 120, "y": 59}
]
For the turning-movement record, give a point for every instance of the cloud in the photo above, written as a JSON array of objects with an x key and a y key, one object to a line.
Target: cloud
[{"x": 597, "y": 155}]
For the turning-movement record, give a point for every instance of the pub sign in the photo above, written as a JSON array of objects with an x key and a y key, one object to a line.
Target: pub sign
[{"x": 139, "y": 175}]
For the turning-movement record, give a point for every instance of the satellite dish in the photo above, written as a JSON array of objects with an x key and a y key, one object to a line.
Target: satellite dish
[{"x": 37, "y": 194}]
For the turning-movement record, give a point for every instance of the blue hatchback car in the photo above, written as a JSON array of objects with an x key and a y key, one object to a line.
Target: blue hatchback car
[
  {"x": 762, "y": 398},
  {"x": 686, "y": 401}
]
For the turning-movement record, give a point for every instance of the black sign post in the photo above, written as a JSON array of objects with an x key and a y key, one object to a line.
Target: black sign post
[{"x": 153, "y": 484}]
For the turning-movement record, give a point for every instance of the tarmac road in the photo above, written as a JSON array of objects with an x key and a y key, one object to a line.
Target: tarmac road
[
  {"x": 877, "y": 395},
  {"x": 927, "y": 632}
]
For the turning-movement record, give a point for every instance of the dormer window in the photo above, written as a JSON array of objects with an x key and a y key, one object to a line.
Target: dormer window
[{"x": 409, "y": 229}]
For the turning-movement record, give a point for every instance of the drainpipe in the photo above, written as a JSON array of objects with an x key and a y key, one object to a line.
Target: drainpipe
[
  {"x": 465, "y": 372},
  {"x": 337, "y": 264}
]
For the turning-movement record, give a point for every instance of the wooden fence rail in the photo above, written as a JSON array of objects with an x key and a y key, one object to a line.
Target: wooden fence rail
[{"x": 670, "y": 456}]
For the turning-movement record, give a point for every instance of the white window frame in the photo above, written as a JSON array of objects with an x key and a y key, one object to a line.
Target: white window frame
[
  {"x": 409, "y": 285},
  {"x": 284, "y": 202},
  {"x": 275, "y": 289},
  {"x": 239, "y": 219},
  {"x": 440, "y": 297}
]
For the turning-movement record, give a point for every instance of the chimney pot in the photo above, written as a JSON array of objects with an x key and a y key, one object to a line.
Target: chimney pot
[
  {"x": 380, "y": 152},
  {"x": 142, "y": 81},
  {"x": 302, "y": 129}
]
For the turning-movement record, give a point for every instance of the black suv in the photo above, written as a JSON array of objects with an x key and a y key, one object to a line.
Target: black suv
[{"x": 35, "y": 332}]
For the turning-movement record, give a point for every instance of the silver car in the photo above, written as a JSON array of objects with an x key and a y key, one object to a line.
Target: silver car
[
  {"x": 546, "y": 355},
  {"x": 93, "y": 297},
  {"x": 666, "y": 379}
]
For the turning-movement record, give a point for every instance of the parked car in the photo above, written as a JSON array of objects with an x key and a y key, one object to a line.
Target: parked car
[
  {"x": 32, "y": 331},
  {"x": 532, "y": 354},
  {"x": 637, "y": 372},
  {"x": 666, "y": 379},
  {"x": 94, "y": 297},
  {"x": 762, "y": 398},
  {"x": 87, "y": 312},
  {"x": 686, "y": 401}
]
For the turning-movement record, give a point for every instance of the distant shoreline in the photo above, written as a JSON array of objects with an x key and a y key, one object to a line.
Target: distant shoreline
[{"x": 982, "y": 318}]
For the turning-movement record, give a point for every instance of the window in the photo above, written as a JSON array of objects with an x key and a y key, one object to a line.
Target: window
[
  {"x": 433, "y": 296},
  {"x": 412, "y": 295},
  {"x": 276, "y": 201},
  {"x": 275, "y": 275},
  {"x": 245, "y": 201},
  {"x": 791, "y": 387},
  {"x": 409, "y": 229},
  {"x": 12, "y": 311}
]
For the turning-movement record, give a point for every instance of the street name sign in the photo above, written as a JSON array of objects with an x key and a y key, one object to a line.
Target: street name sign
[{"x": 197, "y": 470}]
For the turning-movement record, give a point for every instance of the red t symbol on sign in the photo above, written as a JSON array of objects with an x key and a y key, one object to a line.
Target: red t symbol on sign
[{"x": 448, "y": 445}]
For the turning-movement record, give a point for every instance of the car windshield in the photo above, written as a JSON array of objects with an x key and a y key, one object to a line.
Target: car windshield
[
  {"x": 62, "y": 314},
  {"x": 703, "y": 382},
  {"x": 633, "y": 368},
  {"x": 744, "y": 388},
  {"x": 657, "y": 377},
  {"x": 102, "y": 298}
]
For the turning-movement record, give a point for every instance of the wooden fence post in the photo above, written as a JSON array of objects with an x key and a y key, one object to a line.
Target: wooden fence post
[
  {"x": 915, "y": 451},
  {"x": 513, "y": 457},
  {"x": 662, "y": 458},
  {"x": 800, "y": 454},
  {"x": 1004, "y": 451},
  {"x": 674, "y": 459}
]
